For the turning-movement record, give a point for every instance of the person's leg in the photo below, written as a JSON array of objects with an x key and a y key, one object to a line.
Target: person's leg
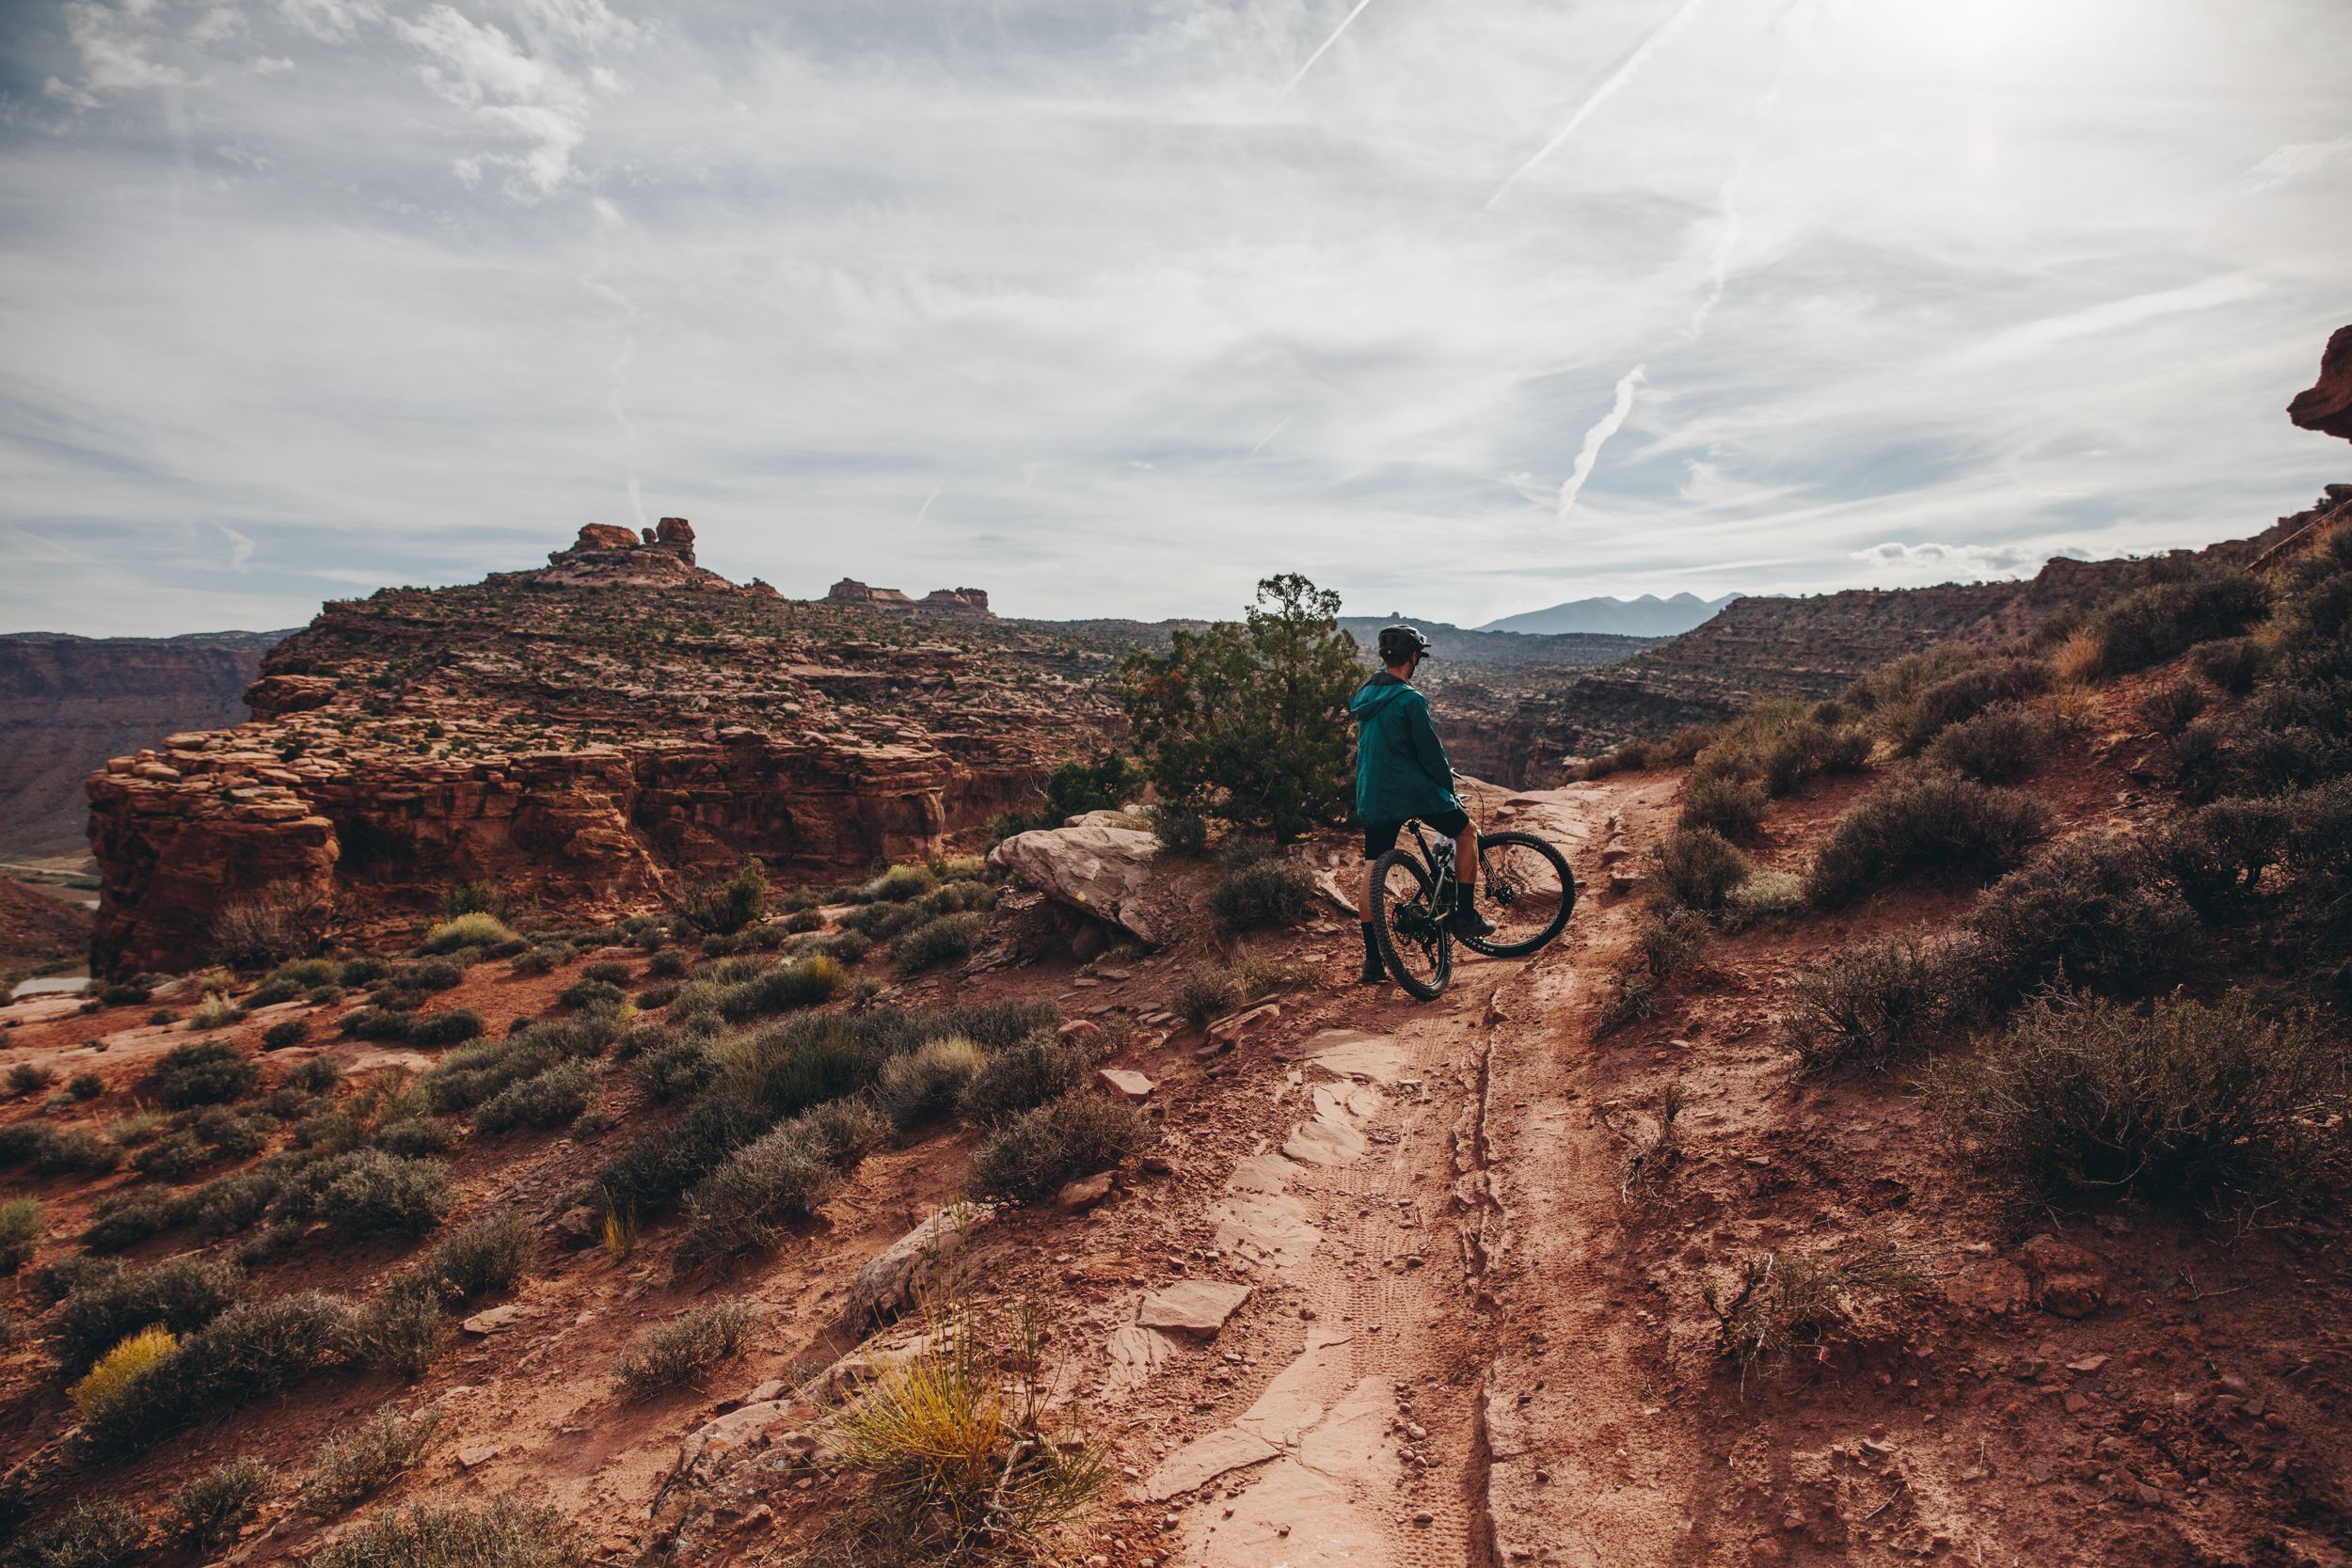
[
  {"x": 1377, "y": 843},
  {"x": 1466, "y": 920},
  {"x": 1466, "y": 857}
]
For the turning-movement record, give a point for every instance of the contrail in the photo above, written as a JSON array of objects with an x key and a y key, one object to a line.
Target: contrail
[
  {"x": 1270, "y": 434},
  {"x": 1596, "y": 438},
  {"x": 1318, "y": 53},
  {"x": 1602, "y": 94},
  {"x": 925, "y": 510},
  {"x": 1726, "y": 247}
]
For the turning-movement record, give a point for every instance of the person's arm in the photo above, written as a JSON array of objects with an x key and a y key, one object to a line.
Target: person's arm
[{"x": 1427, "y": 749}]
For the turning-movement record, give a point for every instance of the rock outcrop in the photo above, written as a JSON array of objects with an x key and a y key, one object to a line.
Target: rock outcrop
[
  {"x": 1101, "y": 864},
  {"x": 2327, "y": 405},
  {"x": 851, "y": 593},
  {"x": 67, "y": 703},
  {"x": 590, "y": 735}
]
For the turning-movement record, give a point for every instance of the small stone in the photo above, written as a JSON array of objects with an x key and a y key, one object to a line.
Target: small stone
[
  {"x": 1085, "y": 1192},
  {"x": 1423, "y": 1516},
  {"x": 477, "y": 1456},
  {"x": 1133, "y": 1088}
]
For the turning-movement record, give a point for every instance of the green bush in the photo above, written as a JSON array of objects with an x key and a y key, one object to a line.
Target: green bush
[
  {"x": 545, "y": 959},
  {"x": 924, "y": 1084},
  {"x": 476, "y": 928},
  {"x": 897, "y": 884},
  {"x": 1032, "y": 1156},
  {"x": 503, "y": 1533},
  {"x": 883, "y": 920},
  {"x": 684, "y": 1348},
  {"x": 2185, "y": 1102},
  {"x": 1073, "y": 789},
  {"x": 411, "y": 1137},
  {"x": 287, "y": 1032},
  {"x": 1720, "y": 804},
  {"x": 656, "y": 1167},
  {"x": 934, "y": 942},
  {"x": 22, "y": 1223},
  {"x": 2000, "y": 745},
  {"x": 451, "y": 1027},
  {"x": 431, "y": 974},
  {"x": 170, "y": 1159},
  {"x": 354, "y": 1466},
  {"x": 1181, "y": 829},
  {"x": 51, "y": 1152},
  {"x": 1260, "y": 893},
  {"x": 90, "y": 1535},
  {"x": 552, "y": 1099},
  {"x": 1931, "y": 822},
  {"x": 367, "y": 1192},
  {"x": 215, "y": 1505},
  {"x": 203, "y": 1073},
  {"x": 124, "y": 1220},
  {"x": 1988, "y": 683},
  {"x": 724, "y": 907},
  {"x": 1031, "y": 1070},
  {"x": 1698, "y": 868},
  {"x": 2184, "y": 608},
  {"x": 115, "y": 1300},
  {"x": 671, "y": 962},
  {"x": 587, "y": 995},
  {"x": 612, "y": 971},
  {"x": 85, "y": 1085}
]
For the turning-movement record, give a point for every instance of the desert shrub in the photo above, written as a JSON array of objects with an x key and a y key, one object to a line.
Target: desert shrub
[
  {"x": 316, "y": 1075},
  {"x": 124, "y": 1220},
  {"x": 1626, "y": 1000},
  {"x": 586, "y": 994},
  {"x": 285, "y": 1033},
  {"x": 2174, "y": 705},
  {"x": 1766, "y": 895},
  {"x": 1943, "y": 702},
  {"x": 1181, "y": 829},
  {"x": 1030, "y": 1156},
  {"x": 354, "y": 973},
  {"x": 502, "y": 1533},
  {"x": 114, "y": 1302},
  {"x": 411, "y": 1137},
  {"x": 550, "y": 1099},
  {"x": 375, "y": 1023},
  {"x": 204, "y": 1073},
  {"x": 1930, "y": 822},
  {"x": 1783, "y": 1302},
  {"x": 1698, "y": 868},
  {"x": 170, "y": 1159},
  {"x": 881, "y": 921},
  {"x": 1260, "y": 893},
  {"x": 126, "y": 994},
  {"x": 897, "y": 884},
  {"x": 51, "y": 1152},
  {"x": 251, "y": 1350},
  {"x": 684, "y": 1348},
  {"x": 610, "y": 971},
  {"x": 679, "y": 1067},
  {"x": 112, "y": 1375},
  {"x": 356, "y": 1465},
  {"x": 924, "y": 1084},
  {"x": 367, "y": 1192},
  {"x": 480, "y": 896},
  {"x": 656, "y": 1167},
  {"x": 1670, "y": 937},
  {"x": 233, "y": 1134},
  {"x": 542, "y": 958},
  {"x": 2218, "y": 852},
  {"x": 1038, "y": 1067},
  {"x": 443, "y": 972},
  {"x": 259, "y": 932},
  {"x": 1206, "y": 990},
  {"x": 935, "y": 941},
  {"x": 2232, "y": 663},
  {"x": 2096, "y": 908},
  {"x": 451, "y": 1026},
  {"x": 90, "y": 1535},
  {"x": 847, "y": 1130},
  {"x": 1809, "y": 750},
  {"x": 843, "y": 948},
  {"x": 231, "y": 1203},
  {"x": 724, "y": 907},
  {"x": 215, "y": 1505},
  {"x": 2170, "y": 616},
  {"x": 30, "y": 1078},
  {"x": 488, "y": 1255},
  {"x": 405, "y": 1330},
  {"x": 1073, "y": 789},
  {"x": 671, "y": 962},
  {"x": 1873, "y": 1004},
  {"x": 1720, "y": 804},
  {"x": 476, "y": 928},
  {"x": 807, "y": 981},
  {"x": 2003, "y": 743},
  {"x": 2183, "y": 1101},
  {"x": 85, "y": 1085},
  {"x": 778, "y": 1178},
  {"x": 21, "y": 1227}
]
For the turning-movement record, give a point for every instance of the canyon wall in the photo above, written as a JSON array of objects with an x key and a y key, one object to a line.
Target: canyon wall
[{"x": 67, "y": 703}]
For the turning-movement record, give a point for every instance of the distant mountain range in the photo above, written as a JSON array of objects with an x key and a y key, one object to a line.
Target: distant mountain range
[{"x": 1647, "y": 616}]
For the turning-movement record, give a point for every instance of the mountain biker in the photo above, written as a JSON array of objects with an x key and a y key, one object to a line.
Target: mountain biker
[{"x": 1402, "y": 774}]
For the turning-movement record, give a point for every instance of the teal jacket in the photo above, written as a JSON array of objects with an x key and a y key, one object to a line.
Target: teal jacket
[{"x": 1401, "y": 765}]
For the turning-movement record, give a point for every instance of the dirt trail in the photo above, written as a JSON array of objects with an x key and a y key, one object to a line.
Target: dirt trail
[{"x": 1393, "y": 1428}]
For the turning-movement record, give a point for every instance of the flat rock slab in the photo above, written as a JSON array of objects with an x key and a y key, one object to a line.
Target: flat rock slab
[
  {"x": 1353, "y": 1053},
  {"x": 1130, "y": 1086},
  {"x": 496, "y": 1318},
  {"x": 1203, "y": 1460},
  {"x": 1134, "y": 1353},
  {"x": 888, "y": 1280},
  {"x": 1197, "y": 1306},
  {"x": 1260, "y": 1173},
  {"x": 1324, "y": 1143},
  {"x": 1267, "y": 1231}
]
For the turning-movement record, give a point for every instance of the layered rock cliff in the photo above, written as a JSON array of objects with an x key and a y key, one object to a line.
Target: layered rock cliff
[
  {"x": 67, "y": 703},
  {"x": 587, "y": 736}
]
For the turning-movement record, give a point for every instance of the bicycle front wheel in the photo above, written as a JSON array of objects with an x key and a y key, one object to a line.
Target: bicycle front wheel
[
  {"x": 1407, "y": 926},
  {"x": 1525, "y": 887}
]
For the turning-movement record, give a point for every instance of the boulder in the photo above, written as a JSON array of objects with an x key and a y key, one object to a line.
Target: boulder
[
  {"x": 886, "y": 1284},
  {"x": 605, "y": 536},
  {"x": 2327, "y": 405},
  {"x": 1130, "y": 1086},
  {"x": 1194, "y": 1307},
  {"x": 2068, "y": 1280},
  {"x": 1085, "y": 1193},
  {"x": 1094, "y": 868}
]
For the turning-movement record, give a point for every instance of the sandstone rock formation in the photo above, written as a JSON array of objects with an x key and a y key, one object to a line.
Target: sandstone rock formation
[
  {"x": 590, "y": 735},
  {"x": 1101, "y": 865},
  {"x": 853, "y": 594},
  {"x": 2327, "y": 405},
  {"x": 67, "y": 703}
]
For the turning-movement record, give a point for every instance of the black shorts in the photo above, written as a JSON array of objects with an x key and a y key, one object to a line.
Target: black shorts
[{"x": 1380, "y": 837}]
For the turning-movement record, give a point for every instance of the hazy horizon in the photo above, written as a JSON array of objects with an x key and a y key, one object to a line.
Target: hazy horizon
[{"x": 1112, "y": 309}]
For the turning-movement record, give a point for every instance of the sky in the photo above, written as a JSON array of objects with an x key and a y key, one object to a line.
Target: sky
[{"x": 1114, "y": 306}]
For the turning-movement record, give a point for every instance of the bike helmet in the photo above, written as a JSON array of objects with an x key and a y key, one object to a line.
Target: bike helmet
[{"x": 1399, "y": 643}]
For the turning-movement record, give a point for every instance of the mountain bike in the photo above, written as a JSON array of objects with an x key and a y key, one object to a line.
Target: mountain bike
[{"x": 1524, "y": 887}]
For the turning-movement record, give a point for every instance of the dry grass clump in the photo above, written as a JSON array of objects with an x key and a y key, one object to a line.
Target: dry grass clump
[
  {"x": 1260, "y": 892},
  {"x": 1876, "y": 1003},
  {"x": 1627, "y": 1000},
  {"x": 90, "y": 1535},
  {"x": 1931, "y": 822},
  {"x": 2183, "y": 1101},
  {"x": 20, "y": 1227},
  {"x": 215, "y": 1505},
  {"x": 684, "y": 1348},
  {"x": 1720, "y": 804},
  {"x": 100, "y": 1388},
  {"x": 952, "y": 1441},
  {"x": 502, "y": 1533},
  {"x": 1783, "y": 1304},
  {"x": 477, "y": 928},
  {"x": 257, "y": 933},
  {"x": 1656, "y": 1156},
  {"x": 1032, "y": 1156},
  {"x": 2000, "y": 745},
  {"x": 925, "y": 1083},
  {"x": 356, "y": 1465}
]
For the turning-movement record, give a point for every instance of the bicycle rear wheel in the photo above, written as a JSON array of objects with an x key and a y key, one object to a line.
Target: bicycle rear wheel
[
  {"x": 1525, "y": 887},
  {"x": 1412, "y": 938}
]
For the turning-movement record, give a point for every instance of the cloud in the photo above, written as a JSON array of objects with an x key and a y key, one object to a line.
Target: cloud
[
  {"x": 116, "y": 45},
  {"x": 331, "y": 20},
  {"x": 2299, "y": 160},
  {"x": 1971, "y": 562},
  {"x": 1594, "y": 438},
  {"x": 480, "y": 70},
  {"x": 1610, "y": 84}
]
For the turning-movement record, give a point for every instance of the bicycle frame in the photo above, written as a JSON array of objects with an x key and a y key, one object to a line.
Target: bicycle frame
[{"x": 1442, "y": 873}]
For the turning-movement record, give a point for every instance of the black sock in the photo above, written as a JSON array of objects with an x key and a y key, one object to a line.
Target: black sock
[
  {"x": 1465, "y": 897},
  {"x": 1372, "y": 948}
]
